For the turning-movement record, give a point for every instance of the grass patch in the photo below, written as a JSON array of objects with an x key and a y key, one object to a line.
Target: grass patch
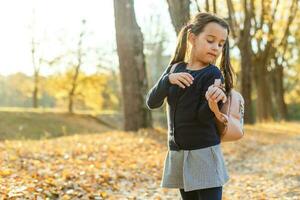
[{"x": 41, "y": 125}]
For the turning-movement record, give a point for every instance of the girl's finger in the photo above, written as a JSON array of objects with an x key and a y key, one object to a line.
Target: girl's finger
[
  {"x": 187, "y": 77},
  {"x": 220, "y": 97},
  {"x": 207, "y": 96},
  {"x": 180, "y": 84},
  {"x": 190, "y": 76},
  {"x": 224, "y": 99},
  {"x": 184, "y": 81},
  {"x": 216, "y": 94},
  {"x": 217, "y": 91},
  {"x": 212, "y": 91},
  {"x": 210, "y": 87},
  {"x": 209, "y": 90},
  {"x": 223, "y": 95}
]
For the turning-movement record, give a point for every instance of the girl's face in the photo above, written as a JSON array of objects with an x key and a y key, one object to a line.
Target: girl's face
[{"x": 208, "y": 45}]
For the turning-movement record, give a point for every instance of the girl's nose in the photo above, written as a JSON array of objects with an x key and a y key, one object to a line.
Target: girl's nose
[{"x": 215, "y": 47}]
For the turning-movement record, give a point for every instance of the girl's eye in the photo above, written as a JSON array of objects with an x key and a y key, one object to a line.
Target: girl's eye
[{"x": 211, "y": 41}]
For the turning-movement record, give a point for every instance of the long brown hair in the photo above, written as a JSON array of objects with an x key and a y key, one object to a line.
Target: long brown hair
[{"x": 196, "y": 25}]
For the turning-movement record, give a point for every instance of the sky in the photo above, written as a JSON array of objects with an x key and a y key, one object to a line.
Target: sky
[{"x": 58, "y": 22}]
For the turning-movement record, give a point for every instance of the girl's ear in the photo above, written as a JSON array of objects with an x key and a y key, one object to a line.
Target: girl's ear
[{"x": 191, "y": 38}]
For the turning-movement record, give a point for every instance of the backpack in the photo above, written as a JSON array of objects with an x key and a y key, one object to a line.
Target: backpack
[{"x": 231, "y": 128}]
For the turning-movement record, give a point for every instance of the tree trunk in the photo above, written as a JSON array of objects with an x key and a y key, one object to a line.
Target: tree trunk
[
  {"x": 244, "y": 45},
  {"x": 215, "y": 6},
  {"x": 264, "y": 99},
  {"x": 246, "y": 83},
  {"x": 180, "y": 13},
  {"x": 36, "y": 67},
  {"x": 73, "y": 87},
  {"x": 279, "y": 93},
  {"x": 35, "y": 90},
  {"x": 132, "y": 66},
  {"x": 207, "y": 5},
  {"x": 70, "y": 104}
]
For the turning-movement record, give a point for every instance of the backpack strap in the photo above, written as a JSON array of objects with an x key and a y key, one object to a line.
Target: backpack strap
[{"x": 173, "y": 67}]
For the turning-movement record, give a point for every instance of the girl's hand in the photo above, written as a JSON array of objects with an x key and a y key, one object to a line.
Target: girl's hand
[
  {"x": 182, "y": 79},
  {"x": 213, "y": 95}
]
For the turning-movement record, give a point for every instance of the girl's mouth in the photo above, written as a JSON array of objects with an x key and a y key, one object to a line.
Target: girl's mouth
[{"x": 211, "y": 54}]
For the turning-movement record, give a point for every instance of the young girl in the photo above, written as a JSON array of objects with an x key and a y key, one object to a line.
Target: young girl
[{"x": 194, "y": 162}]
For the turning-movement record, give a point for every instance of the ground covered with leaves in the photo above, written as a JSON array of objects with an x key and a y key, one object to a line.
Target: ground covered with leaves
[{"x": 128, "y": 165}]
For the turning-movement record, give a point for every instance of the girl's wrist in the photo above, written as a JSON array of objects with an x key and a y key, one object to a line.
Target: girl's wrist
[{"x": 221, "y": 117}]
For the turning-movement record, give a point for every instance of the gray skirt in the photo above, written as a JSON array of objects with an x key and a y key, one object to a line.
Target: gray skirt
[{"x": 194, "y": 169}]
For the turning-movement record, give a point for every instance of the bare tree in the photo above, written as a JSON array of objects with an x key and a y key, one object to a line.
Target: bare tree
[
  {"x": 38, "y": 59},
  {"x": 77, "y": 67},
  {"x": 132, "y": 66},
  {"x": 35, "y": 62}
]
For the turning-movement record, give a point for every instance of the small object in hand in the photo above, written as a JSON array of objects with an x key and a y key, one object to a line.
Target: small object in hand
[{"x": 217, "y": 82}]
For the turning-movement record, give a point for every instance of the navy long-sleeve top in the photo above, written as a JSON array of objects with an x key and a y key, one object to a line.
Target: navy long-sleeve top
[{"x": 191, "y": 123}]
